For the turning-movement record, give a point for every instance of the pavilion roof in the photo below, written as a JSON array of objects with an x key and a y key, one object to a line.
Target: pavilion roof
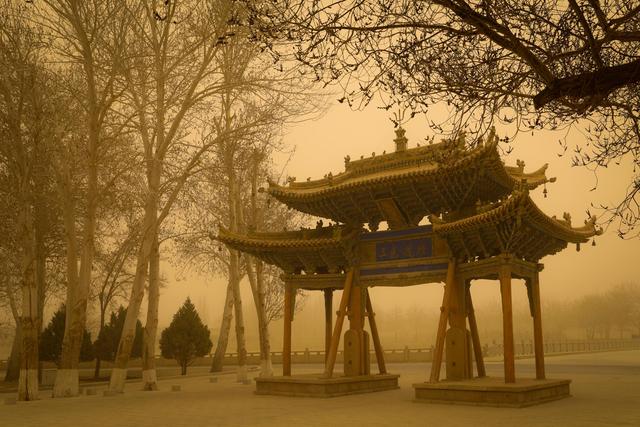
[
  {"x": 311, "y": 250},
  {"x": 404, "y": 186},
  {"x": 515, "y": 226}
]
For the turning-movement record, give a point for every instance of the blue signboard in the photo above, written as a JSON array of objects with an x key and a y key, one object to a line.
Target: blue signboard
[
  {"x": 404, "y": 249},
  {"x": 397, "y": 252}
]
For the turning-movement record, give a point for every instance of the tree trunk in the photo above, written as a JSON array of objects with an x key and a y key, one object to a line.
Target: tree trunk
[
  {"x": 149, "y": 235},
  {"x": 96, "y": 371},
  {"x": 183, "y": 368},
  {"x": 13, "y": 364},
  {"x": 255, "y": 271},
  {"x": 223, "y": 336},
  {"x": 28, "y": 378},
  {"x": 149, "y": 377},
  {"x": 234, "y": 278},
  {"x": 234, "y": 274},
  {"x": 266, "y": 368},
  {"x": 119, "y": 371},
  {"x": 40, "y": 228},
  {"x": 256, "y": 280},
  {"x": 69, "y": 218},
  {"x": 67, "y": 378}
]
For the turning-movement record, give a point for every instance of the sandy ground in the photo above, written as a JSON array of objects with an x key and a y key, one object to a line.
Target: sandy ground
[{"x": 605, "y": 388}]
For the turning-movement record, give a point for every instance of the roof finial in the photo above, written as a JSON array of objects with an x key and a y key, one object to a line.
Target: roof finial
[{"x": 401, "y": 140}]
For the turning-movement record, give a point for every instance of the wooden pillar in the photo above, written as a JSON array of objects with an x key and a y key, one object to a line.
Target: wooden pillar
[
  {"x": 507, "y": 324},
  {"x": 442, "y": 323},
  {"x": 328, "y": 320},
  {"x": 457, "y": 338},
  {"x": 457, "y": 305},
  {"x": 355, "y": 350},
  {"x": 537, "y": 327},
  {"x": 356, "y": 315},
  {"x": 375, "y": 336},
  {"x": 337, "y": 329},
  {"x": 475, "y": 337},
  {"x": 286, "y": 347}
]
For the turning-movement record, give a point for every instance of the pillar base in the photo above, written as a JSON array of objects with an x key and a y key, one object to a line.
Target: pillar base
[
  {"x": 313, "y": 385},
  {"x": 490, "y": 391}
]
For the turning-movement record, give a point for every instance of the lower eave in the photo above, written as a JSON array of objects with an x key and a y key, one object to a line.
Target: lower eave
[{"x": 516, "y": 226}]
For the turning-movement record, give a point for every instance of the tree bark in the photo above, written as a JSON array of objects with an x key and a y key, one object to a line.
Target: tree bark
[
  {"x": 119, "y": 371},
  {"x": 256, "y": 280},
  {"x": 96, "y": 371},
  {"x": 69, "y": 219},
  {"x": 149, "y": 377},
  {"x": 234, "y": 278},
  {"x": 255, "y": 271},
  {"x": 149, "y": 236},
  {"x": 13, "y": 364},
  {"x": 67, "y": 378},
  {"x": 28, "y": 378},
  {"x": 223, "y": 336},
  {"x": 40, "y": 254},
  {"x": 592, "y": 84},
  {"x": 234, "y": 269}
]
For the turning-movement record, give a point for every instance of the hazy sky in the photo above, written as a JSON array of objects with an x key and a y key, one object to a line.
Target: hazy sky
[{"x": 320, "y": 147}]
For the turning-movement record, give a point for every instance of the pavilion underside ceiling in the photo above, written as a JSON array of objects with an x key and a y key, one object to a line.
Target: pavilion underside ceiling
[
  {"x": 515, "y": 226},
  {"x": 403, "y": 187}
]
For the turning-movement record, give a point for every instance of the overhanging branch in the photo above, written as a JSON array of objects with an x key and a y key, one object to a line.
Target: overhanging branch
[{"x": 590, "y": 84}]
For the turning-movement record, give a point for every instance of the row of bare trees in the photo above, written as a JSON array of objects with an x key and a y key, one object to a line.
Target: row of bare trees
[
  {"x": 120, "y": 121},
  {"x": 613, "y": 313}
]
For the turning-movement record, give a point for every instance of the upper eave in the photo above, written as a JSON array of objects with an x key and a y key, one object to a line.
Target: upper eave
[{"x": 437, "y": 178}]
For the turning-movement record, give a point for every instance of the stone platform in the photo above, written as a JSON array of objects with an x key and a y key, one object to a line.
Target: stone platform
[
  {"x": 313, "y": 385},
  {"x": 490, "y": 391}
]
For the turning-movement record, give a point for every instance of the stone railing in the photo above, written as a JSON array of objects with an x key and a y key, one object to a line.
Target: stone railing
[
  {"x": 406, "y": 354},
  {"x": 398, "y": 355}
]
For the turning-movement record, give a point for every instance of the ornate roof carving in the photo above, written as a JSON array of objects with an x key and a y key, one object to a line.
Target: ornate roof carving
[
  {"x": 312, "y": 250},
  {"x": 422, "y": 180},
  {"x": 516, "y": 226}
]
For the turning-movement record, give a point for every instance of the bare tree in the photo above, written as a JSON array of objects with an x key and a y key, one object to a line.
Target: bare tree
[
  {"x": 86, "y": 36},
  {"x": 623, "y": 302},
  {"x": 538, "y": 64},
  {"x": 261, "y": 100},
  {"x": 113, "y": 279},
  {"x": 25, "y": 177},
  {"x": 8, "y": 296},
  {"x": 170, "y": 72},
  {"x": 266, "y": 286}
]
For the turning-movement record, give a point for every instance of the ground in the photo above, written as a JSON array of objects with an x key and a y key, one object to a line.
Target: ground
[{"x": 605, "y": 388}]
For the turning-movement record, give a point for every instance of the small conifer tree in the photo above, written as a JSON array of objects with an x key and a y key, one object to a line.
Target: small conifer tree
[
  {"x": 186, "y": 337},
  {"x": 51, "y": 339},
  {"x": 106, "y": 344}
]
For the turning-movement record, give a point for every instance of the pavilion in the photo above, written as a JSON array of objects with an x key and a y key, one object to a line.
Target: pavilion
[{"x": 454, "y": 213}]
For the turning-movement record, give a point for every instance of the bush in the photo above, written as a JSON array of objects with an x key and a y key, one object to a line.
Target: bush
[{"x": 186, "y": 337}]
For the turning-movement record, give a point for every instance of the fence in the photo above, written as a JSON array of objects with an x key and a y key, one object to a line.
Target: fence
[
  {"x": 406, "y": 354},
  {"x": 403, "y": 355}
]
